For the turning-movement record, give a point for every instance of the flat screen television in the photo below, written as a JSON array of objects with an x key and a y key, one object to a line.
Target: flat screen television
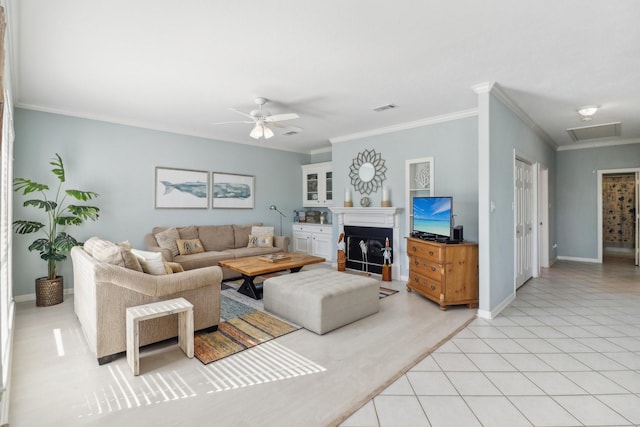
[{"x": 432, "y": 216}]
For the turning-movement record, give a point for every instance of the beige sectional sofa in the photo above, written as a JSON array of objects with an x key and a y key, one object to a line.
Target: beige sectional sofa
[
  {"x": 109, "y": 279},
  {"x": 219, "y": 242}
]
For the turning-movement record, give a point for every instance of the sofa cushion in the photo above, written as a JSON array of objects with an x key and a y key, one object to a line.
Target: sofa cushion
[
  {"x": 241, "y": 234},
  {"x": 260, "y": 241},
  {"x": 216, "y": 237},
  {"x": 167, "y": 239},
  {"x": 203, "y": 259},
  {"x": 192, "y": 246},
  {"x": 151, "y": 262},
  {"x": 176, "y": 267},
  {"x": 188, "y": 233}
]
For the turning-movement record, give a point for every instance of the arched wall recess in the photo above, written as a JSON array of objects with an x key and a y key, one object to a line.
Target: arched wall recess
[{"x": 367, "y": 172}]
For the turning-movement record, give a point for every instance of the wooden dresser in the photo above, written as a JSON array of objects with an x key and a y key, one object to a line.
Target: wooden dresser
[{"x": 444, "y": 273}]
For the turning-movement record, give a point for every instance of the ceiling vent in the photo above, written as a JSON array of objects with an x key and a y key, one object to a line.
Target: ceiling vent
[
  {"x": 608, "y": 130},
  {"x": 384, "y": 108}
]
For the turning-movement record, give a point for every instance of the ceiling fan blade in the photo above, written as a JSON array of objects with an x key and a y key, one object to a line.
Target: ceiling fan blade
[
  {"x": 285, "y": 126},
  {"x": 244, "y": 114},
  {"x": 281, "y": 117},
  {"x": 237, "y": 121}
]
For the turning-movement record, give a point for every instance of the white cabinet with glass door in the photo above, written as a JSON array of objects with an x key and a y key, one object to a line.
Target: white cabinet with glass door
[{"x": 317, "y": 185}]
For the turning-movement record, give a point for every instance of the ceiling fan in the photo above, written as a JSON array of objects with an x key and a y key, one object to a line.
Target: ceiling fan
[{"x": 260, "y": 118}]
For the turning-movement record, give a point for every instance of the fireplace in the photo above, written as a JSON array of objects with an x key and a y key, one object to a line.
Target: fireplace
[
  {"x": 371, "y": 226},
  {"x": 364, "y": 246}
]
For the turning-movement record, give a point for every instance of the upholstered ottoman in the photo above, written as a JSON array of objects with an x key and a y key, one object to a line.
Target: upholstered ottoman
[{"x": 321, "y": 300}]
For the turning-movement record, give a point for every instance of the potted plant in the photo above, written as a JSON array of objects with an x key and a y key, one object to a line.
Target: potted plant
[{"x": 56, "y": 243}]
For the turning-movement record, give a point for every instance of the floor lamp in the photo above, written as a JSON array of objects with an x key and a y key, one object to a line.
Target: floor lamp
[{"x": 273, "y": 208}]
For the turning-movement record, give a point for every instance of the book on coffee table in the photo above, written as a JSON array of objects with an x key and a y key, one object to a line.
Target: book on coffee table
[{"x": 274, "y": 257}]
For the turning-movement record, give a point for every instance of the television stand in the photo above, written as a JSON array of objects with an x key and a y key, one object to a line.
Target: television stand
[{"x": 444, "y": 273}]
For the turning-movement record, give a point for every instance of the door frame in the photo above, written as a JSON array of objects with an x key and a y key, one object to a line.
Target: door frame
[
  {"x": 601, "y": 173},
  {"x": 543, "y": 216}
]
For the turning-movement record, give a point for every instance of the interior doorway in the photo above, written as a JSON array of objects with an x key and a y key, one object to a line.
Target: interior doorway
[{"x": 618, "y": 203}]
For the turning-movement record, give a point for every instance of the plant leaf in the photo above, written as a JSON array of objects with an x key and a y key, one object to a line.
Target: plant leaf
[
  {"x": 82, "y": 195},
  {"x": 84, "y": 212},
  {"x": 48, "y": 205},
  {"x": 58, "y": 170},
  {"x": 41, "y": 245},
  {"x": 26, "y": 227},
  {"x": 68, "y": 220},
  {"x": 63, "y": 243},
  {"x": 27, "y": 186}
]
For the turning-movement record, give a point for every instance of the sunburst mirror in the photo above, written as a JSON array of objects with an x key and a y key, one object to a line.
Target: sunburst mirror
[{"x": 367, "y": 171}]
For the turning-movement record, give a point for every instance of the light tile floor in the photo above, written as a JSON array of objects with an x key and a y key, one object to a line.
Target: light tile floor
[{"x": 566, "y": 352}]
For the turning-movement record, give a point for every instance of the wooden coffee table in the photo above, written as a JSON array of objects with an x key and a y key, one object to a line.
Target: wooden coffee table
[{"x": 251, "y": 267}]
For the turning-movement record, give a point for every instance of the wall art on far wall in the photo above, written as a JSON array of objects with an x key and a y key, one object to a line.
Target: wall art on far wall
[
  {"x": 181, "y": 188},
  {"x": 232, "y": 191}
]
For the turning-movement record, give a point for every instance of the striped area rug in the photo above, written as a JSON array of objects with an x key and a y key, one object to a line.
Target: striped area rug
[{"x": 237, "y": 334}]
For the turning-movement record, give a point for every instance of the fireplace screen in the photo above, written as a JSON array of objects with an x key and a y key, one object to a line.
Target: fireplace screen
[{"x": 364, "y": 247}]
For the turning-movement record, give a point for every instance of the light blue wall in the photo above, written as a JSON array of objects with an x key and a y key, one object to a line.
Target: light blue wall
[
  {"x": 577, "y": 195},
  {"x": 118, "y": 162},
  {"x": 508, "y": 133},
  {"x": 320, "y": 157},
  {"x": 452, "y": 144}
]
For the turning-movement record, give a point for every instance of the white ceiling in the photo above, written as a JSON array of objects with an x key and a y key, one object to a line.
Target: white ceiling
[{"x": 180, "y": 65}]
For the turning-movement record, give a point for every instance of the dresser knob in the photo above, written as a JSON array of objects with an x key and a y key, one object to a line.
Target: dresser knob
[
  {"x": 431, "y": 253},
  {"x": 413, "y": 248},
  {"x": 433, "y": 288},
  {"x": 416, "y": 262},
  {"x": 433, "y": 268}
]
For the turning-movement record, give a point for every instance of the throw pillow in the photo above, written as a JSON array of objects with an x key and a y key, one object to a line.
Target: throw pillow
[
  {"x": 167, "y": 240},
  {"x": 192, "y": 246},
  {"x": 262, "y": 231},
  {"x": 176, "y": 267},
  {"x": 151, "y": 262},
  {"x": 128, "y": 258},
  {"x": 260, "y": 241}
]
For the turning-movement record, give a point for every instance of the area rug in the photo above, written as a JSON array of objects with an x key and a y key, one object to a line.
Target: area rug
[{"x": 238, "y": 333}]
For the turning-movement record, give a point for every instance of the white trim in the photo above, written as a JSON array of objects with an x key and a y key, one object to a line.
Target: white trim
[
  {"x": 484, "y": 196},
  {"x": 511, "y": 105},
  {"x": 578, "y": 259},
  {"x": 597, "y": 144},
  {"x": 7, "y": 364},
  {"x": 404, "y": 126},
  {"x": 321, "y": 150},
  {"x": 484, "y": 314}
]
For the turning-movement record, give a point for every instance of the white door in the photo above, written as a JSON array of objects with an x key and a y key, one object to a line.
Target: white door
[
  {"x": 543, "y": 216},
  {"x": 322, "y": 245},
  {"x": 523, "y": 222}
]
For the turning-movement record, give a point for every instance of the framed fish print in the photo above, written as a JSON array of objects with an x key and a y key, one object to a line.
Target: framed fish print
[
  {"x": 181, "y": 188},
  {"x": 232, "y": 191}
]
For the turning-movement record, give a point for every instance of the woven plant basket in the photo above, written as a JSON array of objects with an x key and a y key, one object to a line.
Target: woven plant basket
[{"x": 49, "y": 292}]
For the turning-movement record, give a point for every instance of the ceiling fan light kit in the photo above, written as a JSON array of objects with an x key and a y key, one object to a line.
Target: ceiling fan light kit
[{"x": 260, "y": 119}]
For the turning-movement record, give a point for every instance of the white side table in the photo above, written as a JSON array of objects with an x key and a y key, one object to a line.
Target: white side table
[{"x": 137, "y": 314}]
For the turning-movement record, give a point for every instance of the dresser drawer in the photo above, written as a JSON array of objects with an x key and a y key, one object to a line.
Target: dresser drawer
[
  {"x": 427, "y": 268},
  {"x": 425, "y": 285},
  {"x": 425, "y": 251}
]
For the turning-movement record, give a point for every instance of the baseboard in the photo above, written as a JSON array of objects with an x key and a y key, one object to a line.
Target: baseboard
[
  {"x": 578, "y": 259},
  {"x": 484, "y": 314},
  {"x": 32, "y": 297}
]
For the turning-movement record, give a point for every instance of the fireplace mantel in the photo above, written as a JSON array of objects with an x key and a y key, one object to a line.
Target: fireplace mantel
[
  {"x": 367, "y": 217},
  {"x": 373, "y": 217}
]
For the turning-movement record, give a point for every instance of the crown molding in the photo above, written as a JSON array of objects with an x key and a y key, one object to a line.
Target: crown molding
[
  {"x": 321, "y": 150},
  {"x": 404, "y": 126},
  {"x": 499, "y": 93},
  {"x": 598, "y": 144}
]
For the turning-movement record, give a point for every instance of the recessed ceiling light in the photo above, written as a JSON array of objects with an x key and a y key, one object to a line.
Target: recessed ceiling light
[{"x": 587, "y": 112}]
